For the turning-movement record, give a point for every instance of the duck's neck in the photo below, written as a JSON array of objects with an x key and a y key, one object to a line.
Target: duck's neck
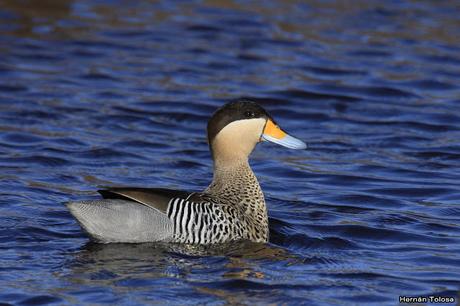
[{"x": 237, "y": 183}]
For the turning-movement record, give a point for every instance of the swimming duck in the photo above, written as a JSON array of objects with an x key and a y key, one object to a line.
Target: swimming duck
[{"x": 231, "y": 208}]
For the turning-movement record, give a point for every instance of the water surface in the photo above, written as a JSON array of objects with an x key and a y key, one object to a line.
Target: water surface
[{"x": 100, "y": 93}]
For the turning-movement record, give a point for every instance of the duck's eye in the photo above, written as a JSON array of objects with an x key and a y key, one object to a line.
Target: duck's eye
[{"x": 249, "y": 114}]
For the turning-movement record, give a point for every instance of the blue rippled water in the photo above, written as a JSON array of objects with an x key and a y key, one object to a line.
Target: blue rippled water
[{"x": 117, "y": 93}]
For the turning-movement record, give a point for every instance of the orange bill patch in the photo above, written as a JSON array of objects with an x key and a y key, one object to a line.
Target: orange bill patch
[{"x": 273, "y": 130}]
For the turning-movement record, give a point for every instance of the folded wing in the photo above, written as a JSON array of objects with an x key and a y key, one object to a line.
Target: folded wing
[{"x": 130, "y": 215}]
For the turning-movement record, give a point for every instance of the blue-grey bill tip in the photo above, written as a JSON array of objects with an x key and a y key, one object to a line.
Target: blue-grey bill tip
[{"x": 287, "y": 141}]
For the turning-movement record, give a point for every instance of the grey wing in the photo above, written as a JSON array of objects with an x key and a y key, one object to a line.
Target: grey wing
[
  {"x": 127, "y": 214},
  {"x": 143, "y": 215},
  {"x": 115, "y": 220}
]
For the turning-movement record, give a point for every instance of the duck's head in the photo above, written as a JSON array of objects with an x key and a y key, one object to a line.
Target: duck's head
[{"x": 236, "y": 128}]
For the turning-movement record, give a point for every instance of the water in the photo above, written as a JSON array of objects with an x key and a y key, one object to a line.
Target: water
[{"x": 101, "y": 93}]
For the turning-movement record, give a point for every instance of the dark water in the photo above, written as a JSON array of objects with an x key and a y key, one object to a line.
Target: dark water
[{"x": 104, "y": 93}]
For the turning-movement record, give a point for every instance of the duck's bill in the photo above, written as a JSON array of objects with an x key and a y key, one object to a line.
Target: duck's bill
[{"x": 274, "y": 134}]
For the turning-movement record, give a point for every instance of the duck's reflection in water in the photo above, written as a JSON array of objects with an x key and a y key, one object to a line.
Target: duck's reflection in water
[{"x": 110, "y": 263}]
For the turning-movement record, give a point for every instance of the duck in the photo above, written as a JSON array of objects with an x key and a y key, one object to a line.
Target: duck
[{"x": 231, "y": 208}]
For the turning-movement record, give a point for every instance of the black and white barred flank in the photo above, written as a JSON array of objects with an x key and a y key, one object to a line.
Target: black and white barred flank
[{"x": 203, "y": 222}]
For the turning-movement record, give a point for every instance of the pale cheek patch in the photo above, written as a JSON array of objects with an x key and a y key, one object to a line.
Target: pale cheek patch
[
  {"x": 238, "y": 137},
  {"x": 243, "y": 129}
]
